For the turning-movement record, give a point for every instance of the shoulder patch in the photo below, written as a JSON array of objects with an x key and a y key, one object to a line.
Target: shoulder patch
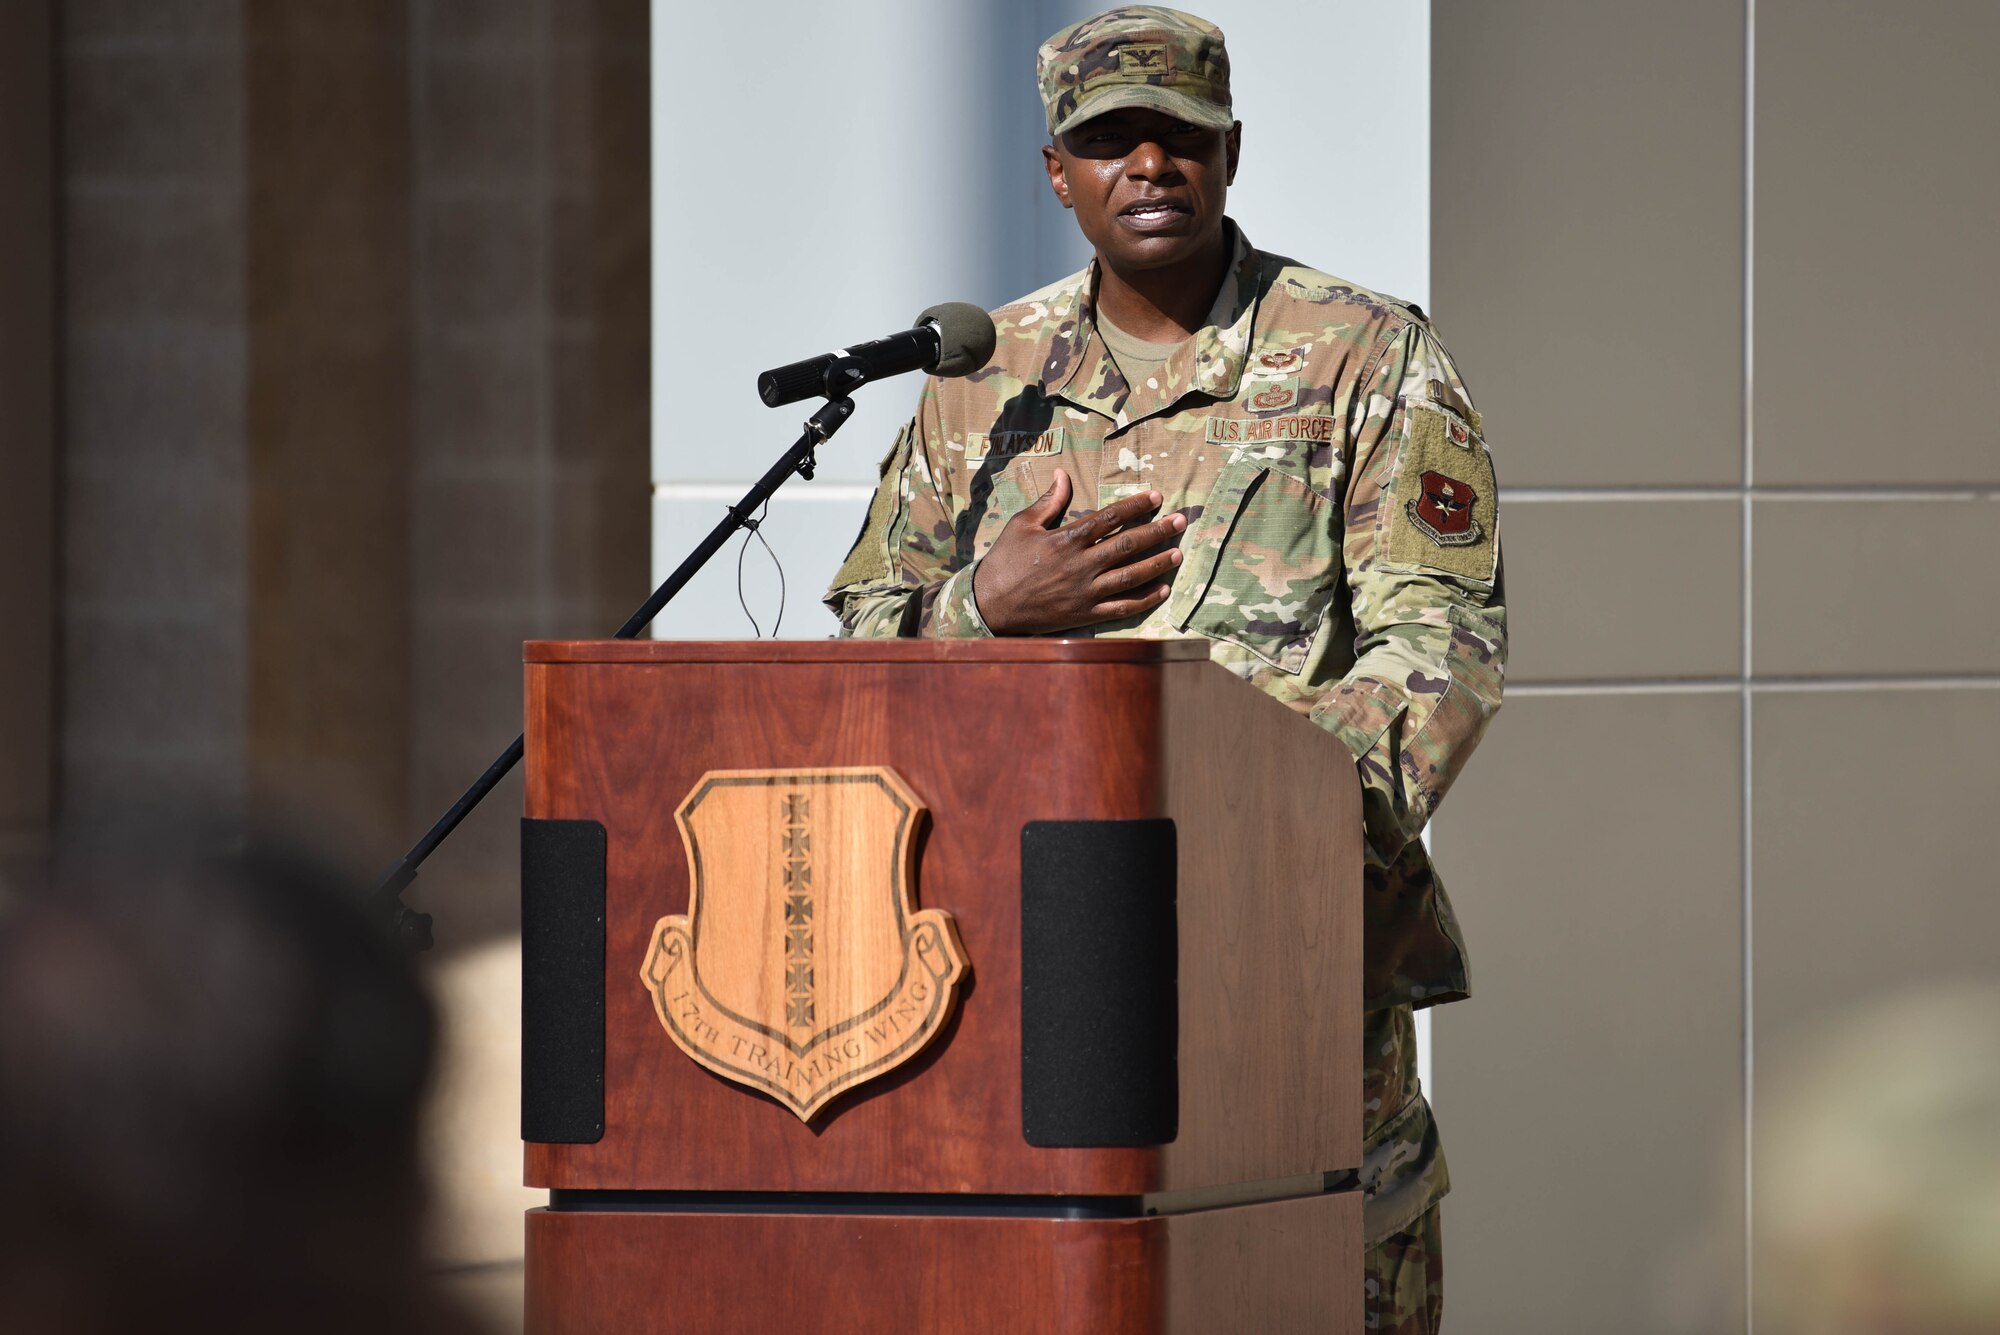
[{"x": 1446, "y": 508}]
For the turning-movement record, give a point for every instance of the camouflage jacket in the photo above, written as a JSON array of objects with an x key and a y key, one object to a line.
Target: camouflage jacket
[{"x": 1341, "y": 551}]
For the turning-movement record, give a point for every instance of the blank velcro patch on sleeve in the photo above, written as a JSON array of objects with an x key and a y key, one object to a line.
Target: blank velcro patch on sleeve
[
  {"x": 1446, "y": 510},
  {"x": 872, "y": 559}
]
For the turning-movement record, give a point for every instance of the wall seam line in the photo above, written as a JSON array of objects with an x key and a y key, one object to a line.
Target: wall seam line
[
  {"x": 1955, "y": 492},
  {"x": 1756, "y": 686},
  {"x": 1748, "y": 710}
]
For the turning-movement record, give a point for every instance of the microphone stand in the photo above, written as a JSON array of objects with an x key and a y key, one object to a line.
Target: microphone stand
[{"x": 413, "y": 929}]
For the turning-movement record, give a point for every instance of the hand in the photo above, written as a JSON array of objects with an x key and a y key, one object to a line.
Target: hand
[{"x": 1038, "y": 577}]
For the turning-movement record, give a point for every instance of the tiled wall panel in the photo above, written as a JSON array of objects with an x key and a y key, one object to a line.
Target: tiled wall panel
[
  {"x": 1876, "y": 193},
  {"x": 1873, "y": 860},
  {"x": 1878, "y": 992},
  {"x": 1586, "y": 233},
  {"x": 1590, "y": 1090},
  {"x": 1893, "y": 587},
  {"x": 1600, "y": 589}
]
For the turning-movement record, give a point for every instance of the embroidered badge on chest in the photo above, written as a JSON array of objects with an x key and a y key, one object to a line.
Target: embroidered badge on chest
[
  {"x": 1274, "y": 399},
  {"x": 1284, "y": 362}
]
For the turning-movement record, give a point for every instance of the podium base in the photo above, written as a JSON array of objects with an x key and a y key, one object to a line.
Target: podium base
[{"x": 1283, "y": 1267}]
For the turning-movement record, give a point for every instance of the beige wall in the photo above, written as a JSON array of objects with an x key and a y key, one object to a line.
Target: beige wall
[{"x": 1734, "y": 802}]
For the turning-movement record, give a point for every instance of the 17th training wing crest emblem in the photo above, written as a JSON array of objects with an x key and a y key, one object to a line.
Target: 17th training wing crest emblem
[{"x": 803, "y": 966}]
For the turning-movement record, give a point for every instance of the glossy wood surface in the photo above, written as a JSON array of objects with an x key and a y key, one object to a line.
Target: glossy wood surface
[
  {"x": 1269, "y": 815},
  {"x": 1256, "y": 1270},
  {"x": 1268, "y": 825}
]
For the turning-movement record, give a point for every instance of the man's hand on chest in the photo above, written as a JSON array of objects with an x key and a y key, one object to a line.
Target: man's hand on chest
[{"x": 1042, "y": 575}]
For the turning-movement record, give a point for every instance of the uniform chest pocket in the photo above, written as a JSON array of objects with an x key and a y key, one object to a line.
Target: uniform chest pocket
[
  {"x": 997, "y": 493},
  {"x": 1261, "y": 565}
]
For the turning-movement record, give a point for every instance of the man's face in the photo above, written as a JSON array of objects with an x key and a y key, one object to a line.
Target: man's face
[{"x": 1147, "y": 189}]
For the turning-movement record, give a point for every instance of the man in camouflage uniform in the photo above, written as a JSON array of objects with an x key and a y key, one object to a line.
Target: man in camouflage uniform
[{"x": 1194, "y": 438}]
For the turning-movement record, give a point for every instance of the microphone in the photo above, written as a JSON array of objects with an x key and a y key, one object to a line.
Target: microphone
[{"x": 953, "y": 338}]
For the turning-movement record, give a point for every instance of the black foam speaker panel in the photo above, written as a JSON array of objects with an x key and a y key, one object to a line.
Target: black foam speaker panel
[
  {"x": 1100, "y": 1002},
  {"x": 562, "y": 981}
]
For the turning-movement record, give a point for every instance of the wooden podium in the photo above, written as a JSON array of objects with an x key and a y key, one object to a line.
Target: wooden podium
[{"x": 1140, "y": 1108}]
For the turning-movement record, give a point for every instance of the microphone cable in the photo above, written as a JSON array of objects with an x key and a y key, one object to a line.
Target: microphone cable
[{"x": 754, "y": 528}]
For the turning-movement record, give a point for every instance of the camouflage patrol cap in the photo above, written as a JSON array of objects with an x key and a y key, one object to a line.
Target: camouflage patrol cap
[{"x": 1135, "y": 56}]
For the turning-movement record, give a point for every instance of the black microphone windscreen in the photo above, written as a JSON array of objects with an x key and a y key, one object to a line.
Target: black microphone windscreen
[{"x": 965, "y": 337}]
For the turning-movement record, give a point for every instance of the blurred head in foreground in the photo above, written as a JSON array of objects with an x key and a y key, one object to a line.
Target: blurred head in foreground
[
  {"x": 210, "y": 1074},
  {"x": 1878, "y": 1173}
]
